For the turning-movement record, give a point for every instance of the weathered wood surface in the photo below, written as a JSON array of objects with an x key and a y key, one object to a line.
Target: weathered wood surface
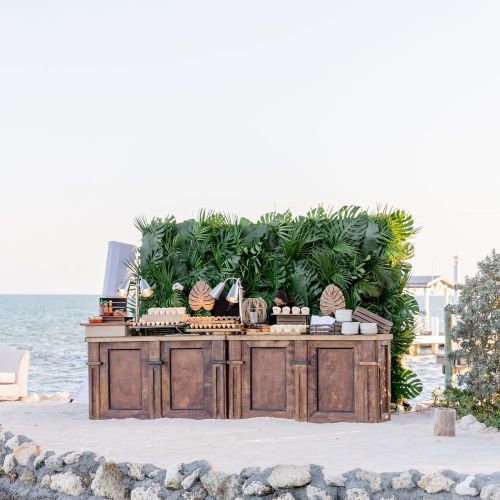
[
  {"x": 444, "y": 421},
  {"x": 323, "y": 378}
]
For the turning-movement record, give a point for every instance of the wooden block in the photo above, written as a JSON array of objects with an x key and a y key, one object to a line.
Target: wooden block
[{"x": 444, "y": 422}]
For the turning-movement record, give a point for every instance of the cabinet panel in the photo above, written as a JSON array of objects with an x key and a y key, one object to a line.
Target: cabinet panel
[
  {"x": 124, "y": 380},
  {"x": 267, "y": 379},
  {"x": 193, "y": 379},
  {"x": 333, "y": 382},
  {"x": 268, "y": 366}
]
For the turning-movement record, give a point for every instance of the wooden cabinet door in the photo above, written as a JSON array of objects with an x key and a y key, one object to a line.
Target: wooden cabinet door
[
  {"x": 193, "y": 379},
  {"x": 334, "y": 382},
  {"x": 267, "y": 379},
  {"x": 124, "y": 380}
]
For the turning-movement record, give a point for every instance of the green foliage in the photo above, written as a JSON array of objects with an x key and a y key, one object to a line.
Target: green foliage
[
  {"x": 477, "y": 332},
  {"x": 466, "y": 402},
  {"x": 365, "y": 254},
  {"x": 405, "y": 384}
]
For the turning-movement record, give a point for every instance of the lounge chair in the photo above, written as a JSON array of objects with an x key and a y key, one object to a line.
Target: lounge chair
[{"x": 14, "y": 368}]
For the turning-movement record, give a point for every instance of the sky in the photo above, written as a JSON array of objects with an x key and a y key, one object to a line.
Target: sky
[{"x": 111, "y": 109}]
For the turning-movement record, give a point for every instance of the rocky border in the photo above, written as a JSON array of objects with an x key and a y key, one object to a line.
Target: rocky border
[{"x": 28, "y": 472}]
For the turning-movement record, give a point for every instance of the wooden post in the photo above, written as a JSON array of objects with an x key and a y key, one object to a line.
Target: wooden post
[
  {"x": 427, "y": 310},
  {"x": 448, "y": 362},
  {"x": 444, "y": 422}
]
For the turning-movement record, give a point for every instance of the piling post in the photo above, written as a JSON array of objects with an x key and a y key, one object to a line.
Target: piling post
[{"x": 448, "y": 362}]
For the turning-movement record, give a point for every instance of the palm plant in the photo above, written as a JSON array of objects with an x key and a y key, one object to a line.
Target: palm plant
[{"x": 365, "y": 254}]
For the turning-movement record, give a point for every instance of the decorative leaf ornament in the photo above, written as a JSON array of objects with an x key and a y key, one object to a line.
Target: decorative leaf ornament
[
  {"x": 199, "y": 297},
  {"x": 331, "y": 299}
]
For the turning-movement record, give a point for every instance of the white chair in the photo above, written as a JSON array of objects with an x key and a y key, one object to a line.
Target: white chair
[{"x": 14, "y": 369}]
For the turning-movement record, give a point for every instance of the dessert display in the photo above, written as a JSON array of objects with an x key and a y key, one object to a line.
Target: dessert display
[
  {"x": 288, "y": 329},
  {"x": 211, "y": 323}
]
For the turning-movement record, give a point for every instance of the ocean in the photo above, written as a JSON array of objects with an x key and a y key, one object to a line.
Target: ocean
[{"x": 49, "y": 327}]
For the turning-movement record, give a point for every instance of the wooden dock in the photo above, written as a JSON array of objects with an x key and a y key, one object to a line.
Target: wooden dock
[{"x": 432, "y": 341}]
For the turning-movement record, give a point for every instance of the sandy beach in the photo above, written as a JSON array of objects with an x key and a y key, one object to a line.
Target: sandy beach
[{"x": 403, "y": 443}]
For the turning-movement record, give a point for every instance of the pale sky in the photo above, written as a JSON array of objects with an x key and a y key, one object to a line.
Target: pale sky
[{"x": 110, "y": 109}]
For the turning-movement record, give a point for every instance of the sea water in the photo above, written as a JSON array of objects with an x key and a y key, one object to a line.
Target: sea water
[{"x": 49, "y": 327}]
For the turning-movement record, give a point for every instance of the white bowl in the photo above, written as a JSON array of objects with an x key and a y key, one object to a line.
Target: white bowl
[
  {"x": 350, "y": 328},
  {"x": 368, "y": 328},
  {"x": 295, "y": 310},
  {"x": 305, "y": 310},
  {"x": 276, "y": 310},
  {"x": 344, "y": 315},
  {"x": 285, "y": 310}
]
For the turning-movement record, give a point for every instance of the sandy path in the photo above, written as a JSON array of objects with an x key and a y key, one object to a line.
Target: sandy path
[{"x": 405, "y": 442}]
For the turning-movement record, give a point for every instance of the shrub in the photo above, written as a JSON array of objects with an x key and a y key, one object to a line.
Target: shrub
[{"x": 476, "y": 333}]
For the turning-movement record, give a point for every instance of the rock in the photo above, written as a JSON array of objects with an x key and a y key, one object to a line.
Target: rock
[
  {"x": 250, "y": 471},
  {"x": 174, "y": 477},
  {"x": 27, "y": 477},
  {"x": 45, "y": 482},
  {"x": 220, "y": 485},
  {"x": 108, "y": 482},
  {"x": 403, "y": 482},
  {"x": 135, "y": 471},
  {"x": 491, "y": 492},
  {"x": 356, "y": 494},
  {"x": 24, "y": 451},
  {"x": 333, "y": 478},
  {"x": 489, "y": 430},
  {"x": 435, "y": 482},
  {"x": 213, "y": 481},
  {"x": 16, "y": 441},
  {"x": 55, "y": 463},
  {"x": 285, "y": 496},
  {"x": 465, "y": 489},
  {"x": 315, "y": 493},
  {"x": 9, "y": 463},
  {"x": 199, "y": 494},
  {"x": 150, "y": 493},
  {"x": 40, "y": 460},
  {"x": 289, "y": 476},
  {"x": 476, "y": 427},
  {"x": 467, "y": 420},
  {"x": 256, "y": 489},
  {"x": 72, "y": 457},
  {"x": 372, "y": 477},
  {"x": 188, "y": 481},
  {"x": 68, "y": 483}
]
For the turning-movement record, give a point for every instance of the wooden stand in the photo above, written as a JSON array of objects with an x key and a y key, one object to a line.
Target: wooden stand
[{"x": 321, "y": 378}]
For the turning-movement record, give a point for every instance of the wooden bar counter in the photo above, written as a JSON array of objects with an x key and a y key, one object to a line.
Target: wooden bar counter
[{"x": 315, "y": 378}]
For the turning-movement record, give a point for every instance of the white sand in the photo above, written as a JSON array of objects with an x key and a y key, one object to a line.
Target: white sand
[{"x": 405, "y": 442}]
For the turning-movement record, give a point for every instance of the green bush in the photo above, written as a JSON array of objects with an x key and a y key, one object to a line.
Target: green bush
[
  {"x": 365, "y": 254},
  {"x": 465, "y": 402},
  {"x": 477, "y": 332}
]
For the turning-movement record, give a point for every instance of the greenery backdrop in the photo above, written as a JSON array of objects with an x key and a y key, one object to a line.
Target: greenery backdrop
[{"x": 365, "y": 254}]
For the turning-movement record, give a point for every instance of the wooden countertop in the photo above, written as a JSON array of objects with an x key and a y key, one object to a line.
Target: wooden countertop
[{"x": 188, "y": 337}]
